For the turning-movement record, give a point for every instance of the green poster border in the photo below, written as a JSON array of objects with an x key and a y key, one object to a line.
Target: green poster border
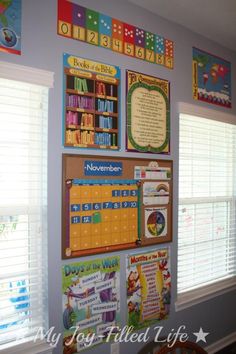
[{"x": 129, "y": 123}]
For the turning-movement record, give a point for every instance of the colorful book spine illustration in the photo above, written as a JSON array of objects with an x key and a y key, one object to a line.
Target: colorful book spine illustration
[
  {"x": 87, "y": 120},
  {"x": 91, "y": 103},
  {"x": 82, "y": 102},
  {"x": 105, "y": 106},
  {"x": 80, "y": 84},
  {"x": 105, "y": 122},
  {"x": 105, "y": 139}
]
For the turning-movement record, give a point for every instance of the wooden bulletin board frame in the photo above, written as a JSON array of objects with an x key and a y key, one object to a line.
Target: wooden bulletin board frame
[{"x": 139, "y": 203}]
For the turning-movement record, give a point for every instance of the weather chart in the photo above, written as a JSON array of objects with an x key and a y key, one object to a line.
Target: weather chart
[{"x": 86, "y": 25}]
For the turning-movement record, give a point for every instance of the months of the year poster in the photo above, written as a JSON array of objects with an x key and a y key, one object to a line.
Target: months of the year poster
[{"x": 148, "y": 287}]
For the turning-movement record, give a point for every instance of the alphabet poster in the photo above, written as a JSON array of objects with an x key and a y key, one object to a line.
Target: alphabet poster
[
  {"x": 211, "y": 79},
  {"x": 91, "y": 302},
  {"x": 148, "y": 113},
  {"x": 10, "y": 26},
  {"x": 148, "y": 287}
]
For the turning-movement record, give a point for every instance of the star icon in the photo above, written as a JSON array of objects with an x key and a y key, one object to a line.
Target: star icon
[{"x": 201, "y": 336}]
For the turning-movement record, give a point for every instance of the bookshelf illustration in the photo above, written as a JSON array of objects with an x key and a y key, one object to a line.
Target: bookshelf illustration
[
  {"x": 91, "y": 104},
  {"x": 111, "y": 204}
]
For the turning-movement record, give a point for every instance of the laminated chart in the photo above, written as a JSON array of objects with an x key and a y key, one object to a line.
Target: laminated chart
[
  {"x": 155, "y": 222},
  {"x": 148, "y": 287},
  {"x": 156, "y": 193},
  {"x": 103, "y": 213},
  {"x": 111, "y": 204},
  {"x": 147, "y": 113},
  {"x": 10, "y": 26},
  {"x": 89, "y": 26},
  {"x": 211, "y": 79},
  {"x": 90, "y": 104},
  {"x": 90, "y": 301}
]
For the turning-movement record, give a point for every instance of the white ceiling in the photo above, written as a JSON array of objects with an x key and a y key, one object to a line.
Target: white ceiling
[{"x": 214, "y": 19}]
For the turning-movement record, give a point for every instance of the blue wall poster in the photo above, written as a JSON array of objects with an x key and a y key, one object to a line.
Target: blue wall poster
[
  {"x": 211, "y": 78},
  {"x": 10, "y": 26}
]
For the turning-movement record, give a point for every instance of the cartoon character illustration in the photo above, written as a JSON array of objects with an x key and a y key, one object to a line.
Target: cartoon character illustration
[
  {"x": 131, "y": 306},
  {"x": 166, "y": 297},
  {"x": 132, "y": 285},
  {"x": 163, "y": 265},
  {"x": 68, "y": 347}
]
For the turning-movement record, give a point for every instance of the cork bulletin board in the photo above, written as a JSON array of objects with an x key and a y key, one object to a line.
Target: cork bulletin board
[{"x": 111, "y": 204}]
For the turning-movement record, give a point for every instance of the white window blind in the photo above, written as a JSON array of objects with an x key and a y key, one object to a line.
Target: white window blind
[
  {"x": 23, "y": 207},
  {"x": 207, "y": 180}
]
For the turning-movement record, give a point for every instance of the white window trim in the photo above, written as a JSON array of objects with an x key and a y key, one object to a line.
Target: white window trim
[
  {"x": 37, "y": 347},
  {"x": 204, "y": 293},
  {"x": 26, "y": 74},
  {"x": 193, "y": 297},
  {"x": 45, "y": 78},
  {"x": 191, "y": 109}
]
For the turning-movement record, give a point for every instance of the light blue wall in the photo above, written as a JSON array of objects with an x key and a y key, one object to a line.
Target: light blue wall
[{"x": 42, "y": 48}]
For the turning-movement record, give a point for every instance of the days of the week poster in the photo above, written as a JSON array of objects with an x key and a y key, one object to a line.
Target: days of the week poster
[
  {"x": 91, "y": 302},
  {"x": 10, "y": 26},
  {"x": 148, "y": 113},
  {"x": 211, "y": 78},
  {"x": 148, "y": 287}
]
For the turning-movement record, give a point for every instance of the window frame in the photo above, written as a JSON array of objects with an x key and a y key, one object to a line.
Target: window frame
[
  {"x": 43, "y": 78},
  {"x": 203, "y": 293}
]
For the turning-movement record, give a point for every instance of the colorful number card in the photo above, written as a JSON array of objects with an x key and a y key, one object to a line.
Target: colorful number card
[
  {"x": 91, "y": 302},
  {"x": 211, "y": 79},
  {"x": 10, "y": 26},
  {"x": 148, "y": 287},
  {"x": 148, "y": 113},
  {"x": 111, "y": 204},
  {"x": 83, "y": 24},
  {"x": 90, "y": 103}
]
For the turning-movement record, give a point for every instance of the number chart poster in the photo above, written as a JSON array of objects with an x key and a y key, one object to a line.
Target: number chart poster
[
  {"x": 89, "y": 26},
  {"x": 91, "y": 302},
  {"x": 91, "y": 103},
  {"x": 148, "y": 113},
  {"x": 148, "y": 287},
  {"x": 211, "y": 79},
  {"x": 10, "y": 26}
]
